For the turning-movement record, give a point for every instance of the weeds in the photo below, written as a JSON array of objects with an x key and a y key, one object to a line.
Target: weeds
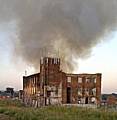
[{"x": 56, "y": 113}]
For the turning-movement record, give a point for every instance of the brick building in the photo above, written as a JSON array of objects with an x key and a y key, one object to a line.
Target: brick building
[
  {"x": 111, "y": 100},
  {"x": 53, "y": 86}
]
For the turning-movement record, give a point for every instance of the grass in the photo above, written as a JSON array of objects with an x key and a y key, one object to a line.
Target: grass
[
  {"x": 8, "y": 102},
  {"x": 16, "y": 110}
]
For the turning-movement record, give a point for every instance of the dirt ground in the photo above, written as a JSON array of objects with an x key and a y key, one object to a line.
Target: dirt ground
[{"x": 5, "y": 117}]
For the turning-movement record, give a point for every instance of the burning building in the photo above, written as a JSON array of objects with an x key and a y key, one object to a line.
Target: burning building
[{"x": 53, "y": 86}]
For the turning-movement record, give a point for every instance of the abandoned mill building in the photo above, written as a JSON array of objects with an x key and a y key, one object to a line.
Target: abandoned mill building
[{"x": 53, "y": 86}]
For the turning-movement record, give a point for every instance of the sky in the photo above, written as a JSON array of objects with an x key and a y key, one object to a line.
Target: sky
[
  {"x": 83, "y": 31},
  {"x": 103, "y": 60}
]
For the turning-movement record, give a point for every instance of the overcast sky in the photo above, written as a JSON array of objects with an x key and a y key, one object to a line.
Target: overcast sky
[
  {"x": 84, "y": 30},
  {"x": 102, "y": 60}
]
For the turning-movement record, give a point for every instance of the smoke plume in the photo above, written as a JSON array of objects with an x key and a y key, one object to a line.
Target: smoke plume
[{"x": 67, "y": 28}]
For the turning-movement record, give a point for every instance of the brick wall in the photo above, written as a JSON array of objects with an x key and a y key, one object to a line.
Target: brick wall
[{"x": 74, "y": 88}]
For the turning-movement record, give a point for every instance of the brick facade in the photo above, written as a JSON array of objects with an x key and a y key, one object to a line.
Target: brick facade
[{"x": 53, "y": 86}]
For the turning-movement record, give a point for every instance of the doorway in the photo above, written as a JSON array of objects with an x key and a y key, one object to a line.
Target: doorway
[
  {"x": 86, "y": 100},
  {"x": 68, "y": 94}
]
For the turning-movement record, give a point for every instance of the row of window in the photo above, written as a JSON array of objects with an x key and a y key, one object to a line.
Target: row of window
[
  {"x": 31, "y": 81},
  {"x": 53, "y": 61},
  {"x": 80, "y": 80},
  {"x": 30, "y": 90},
  {"x": 87, "y": 91}
]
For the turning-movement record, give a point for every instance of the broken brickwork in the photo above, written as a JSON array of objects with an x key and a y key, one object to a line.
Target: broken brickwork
[{"x": 52, "y": 86}]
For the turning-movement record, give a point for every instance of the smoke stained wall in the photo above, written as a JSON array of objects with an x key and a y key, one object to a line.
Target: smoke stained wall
[{"x": 69, "y": 28}]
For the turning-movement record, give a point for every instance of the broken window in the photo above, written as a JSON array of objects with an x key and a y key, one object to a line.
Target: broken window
[
  {"x": 93, "y": 100},
  {"x": 79, "y": 80},
  {"x": 54, "y": 94},
  {"x": 86, "y": 91},
  {"x": 48, "y": 93},
  {"x": 94, "y": 91},
  {"x": 58, "y": 60},
  {"x": 34, "y": 90},
  {"x": 94, "y": 80},
  {"x": 53, "y": 88},
  {"x": 54, "y": 60},
  {"x": 69, "y": 79},
  {"x": 47, "y": 60},
  {"x": 79, "y": 91},
  {"x": 54, "y": 91},
  {"x": 79, "y": 100},
  {"x": 51, "y": 61},
  {"x": 41, "y": 60},
  {"x": 87, "y": 80}
]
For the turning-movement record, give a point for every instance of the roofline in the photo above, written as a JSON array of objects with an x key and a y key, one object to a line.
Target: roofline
[
  {"x": 32, "y": 75},
  {"x": 84, "y": 74}
]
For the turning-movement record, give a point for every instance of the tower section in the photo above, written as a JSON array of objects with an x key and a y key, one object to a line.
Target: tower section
[
  {"x": 49, "y": 68},
  {"x": 49, "y": 77}
]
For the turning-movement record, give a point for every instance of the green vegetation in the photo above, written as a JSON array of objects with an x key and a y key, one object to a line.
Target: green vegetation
[
  {"x": 19, "y": 112},
  {"x": 9, "y": 103}
]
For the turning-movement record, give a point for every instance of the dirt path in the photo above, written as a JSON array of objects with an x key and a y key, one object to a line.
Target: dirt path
[{"x": 5, "y": 117}]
